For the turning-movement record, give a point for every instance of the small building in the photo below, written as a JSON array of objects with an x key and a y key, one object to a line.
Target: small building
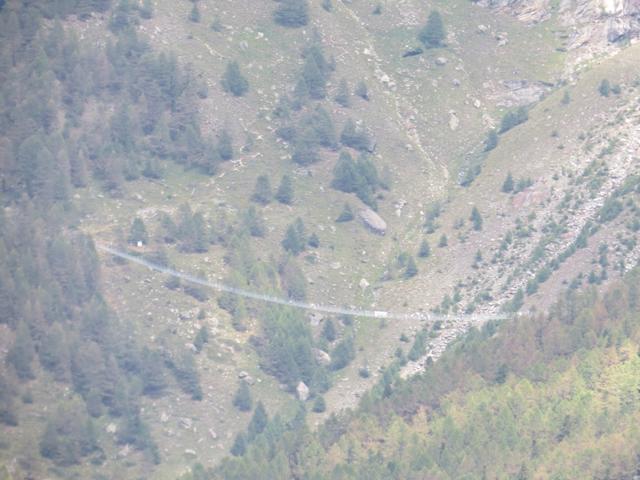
[{"x": 373, "y": 221}]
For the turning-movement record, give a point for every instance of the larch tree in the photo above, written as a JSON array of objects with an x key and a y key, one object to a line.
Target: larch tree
[
  {"x": 433, "y": 33},
  {"x": 233, "y": 81}
]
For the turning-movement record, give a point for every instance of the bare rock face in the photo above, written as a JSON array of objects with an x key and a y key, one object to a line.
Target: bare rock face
[
  {"x": 529, "y": 11},
  {"x": 594, "y": 23},
  {"x": 521, "y": 92},
  {"x": 601, "y": 22}
]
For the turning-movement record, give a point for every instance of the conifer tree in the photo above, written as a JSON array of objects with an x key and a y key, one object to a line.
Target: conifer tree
[
  {"x": 233, "y": 81},
  {"x": 491, "y": 141},
  {"x": 314, "y": 78},
  {"x": 22, "y": 352},
  {"x": 476, "y": 219},
  {"x": 305, "y": 152},
  {"x": 8, "y": 409},
  {"x": 152, "y": 373},
  {"x": 146, "y": 10},
  {"x": 425, "y": 250},
  {"x": 202, "y": 337},
  {"x": 508, "y": 185},
  {"x": 262, "y": 191},
  {"x": 254, "y": 223},
  {"x": 319, "y": 405},
  {"x": 411, "y": 269},
  {"x": 342, "y": 354},
  {"x": 342, "y": 96},
  {"x": 242, "y": 399},
  {"x": 54, "y": 352},
  {"x": 433, "y": 34},
  {"x": 346, "y": 215},
  {"x": 225, "y": 145},
  {"x": 217, "y": 25},
  {"x": 194, "y": 15},
  {"x": 354, "y": 137},
  {"x": 258, "y": 422},
  {"x": 292, "y": 13},
  {"x": 321, "y": 128},
  {"x": 120, "y": 18},
  {"x": 122, "y": 132},
  {"x": 513, "y": 119},
  {"x": 345, "y": 174},
  {"x": 329, "y": 331},
  {"x": 168, "y": 231},
  {"x": 185, "y": 222},
  {"x": 314, "y": 241},
  {"x": 239, "y": 316},
  {"x": 187, "y": 376},
  {"x": 295, "y": 238},
  {"x": 239, "y": 445},
  {"x": 300, "y": 94},
  {"x": 294, "y": 283},
  {"x": 200, "y": 240},
  {"x": 285, "y": 190},
  {"x": 138, "y": 232},
  {"x": 362, "y": 91},
  {"x": 211, "y": 159}
]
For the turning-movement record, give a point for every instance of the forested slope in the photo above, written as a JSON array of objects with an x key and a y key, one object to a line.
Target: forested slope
[
  {"x": 535, "y": 397},
  {"x": 71, "y": 363}
]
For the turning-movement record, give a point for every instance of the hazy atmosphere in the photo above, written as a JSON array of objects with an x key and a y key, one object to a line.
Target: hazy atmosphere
[{"x": 319, "y": 239}]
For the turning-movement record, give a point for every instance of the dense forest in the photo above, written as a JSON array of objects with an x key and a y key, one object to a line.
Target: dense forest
[{"x": 50, "y": 286}]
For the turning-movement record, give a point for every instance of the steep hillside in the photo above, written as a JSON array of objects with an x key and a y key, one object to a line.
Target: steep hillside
[
  {"x": 428, "y": 114},
  {"x": 239, "y": 141},
  {"x": 538, "y": 397}
]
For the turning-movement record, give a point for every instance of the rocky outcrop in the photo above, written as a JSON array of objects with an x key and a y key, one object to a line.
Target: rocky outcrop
[
  {"x": 322, "y": 357},
  {"x": 529, "y": 11},
  {"x": 596, "y": 23},
  {"x": 516, "y": 93},
  {"x": 302, "y": 391},
  {"x": 601, "y": 21}
]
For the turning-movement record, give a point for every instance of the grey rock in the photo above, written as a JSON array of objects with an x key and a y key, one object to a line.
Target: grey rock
[
  {"x": 322, "y": 357},
  {"x": 303, "y": 391},
  {"x": 373, "y": 221}
]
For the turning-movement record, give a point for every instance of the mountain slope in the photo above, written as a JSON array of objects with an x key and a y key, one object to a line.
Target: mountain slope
[
  {"x": 132, "y": 106},
  {"x": 538, "y": 397}
]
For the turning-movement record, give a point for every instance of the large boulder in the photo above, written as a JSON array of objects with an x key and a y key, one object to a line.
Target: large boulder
[
  {"x": 303, "y": 391},
  {"x": 322, "y": 357},
  {"x": 373, "y": 221}
]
